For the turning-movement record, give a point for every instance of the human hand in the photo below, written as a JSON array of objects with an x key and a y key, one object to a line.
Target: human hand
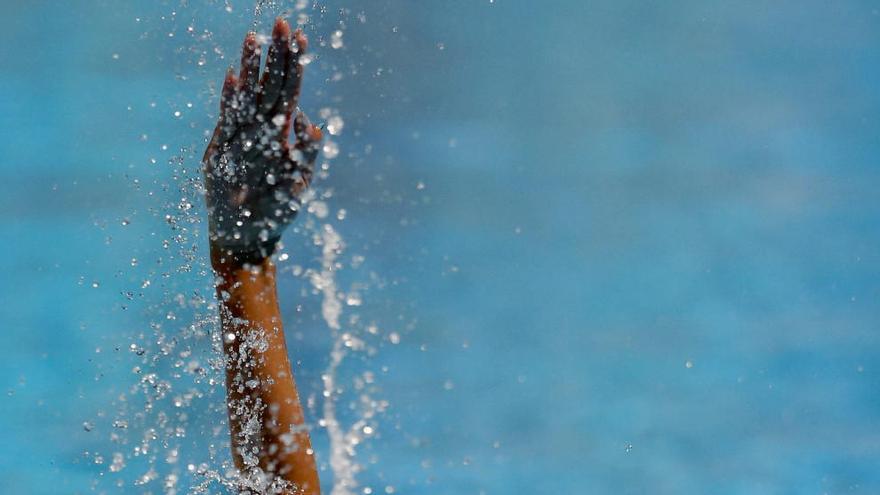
[{"x": 254, "y": 177}]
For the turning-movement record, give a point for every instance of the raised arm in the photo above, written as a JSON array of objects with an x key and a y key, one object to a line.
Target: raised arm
[{"x": 254, "y": 178}]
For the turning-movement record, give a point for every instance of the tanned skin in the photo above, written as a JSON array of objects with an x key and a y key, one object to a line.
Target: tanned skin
[
  {"x": 269, "y": 435},
  {"x": 282, "y": 444}
]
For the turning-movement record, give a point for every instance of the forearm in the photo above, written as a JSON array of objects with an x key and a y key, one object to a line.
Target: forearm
[{"x": 265, "y": 413}]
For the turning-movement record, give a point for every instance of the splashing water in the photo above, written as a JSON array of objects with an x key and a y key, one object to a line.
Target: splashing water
[
  {"x": 331, "y": 309},
  {"x": 175, "y": 403},
  {"x": 342, "y": 444}
]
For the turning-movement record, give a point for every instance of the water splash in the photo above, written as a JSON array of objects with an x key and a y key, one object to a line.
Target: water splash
[
  {"x": 347, "y": 340},
  {"x": 342, "y": 443},
  {"x": 175, "y": 403}
]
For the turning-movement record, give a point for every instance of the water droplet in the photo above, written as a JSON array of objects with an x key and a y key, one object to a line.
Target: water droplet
[
  {"x": 335, "y": 125},
  {"x": 118, "y": 463},
  {"x": 318, "y": 208},
  {"x": 336, "y": 40},
  {"x": 331, "y": 150}
]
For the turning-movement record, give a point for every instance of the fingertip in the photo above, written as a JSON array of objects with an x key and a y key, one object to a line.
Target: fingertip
[
  {"x": 281, "y": 29},
  {"x": 314, "y": 133},
  {"x": 250, "y": 40},
  {"x": 302, "y": 41}
]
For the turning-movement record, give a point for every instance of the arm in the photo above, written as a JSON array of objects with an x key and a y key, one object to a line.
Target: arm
[
  {"x": 265, "y": 413},
  {"x": 254, "y": 178}
]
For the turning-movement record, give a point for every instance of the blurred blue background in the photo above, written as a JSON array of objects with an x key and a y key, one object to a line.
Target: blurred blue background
[{"x": 627, "y": 247}]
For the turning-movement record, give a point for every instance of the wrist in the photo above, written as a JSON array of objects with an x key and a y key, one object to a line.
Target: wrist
[{"x": 226, "y": 260}]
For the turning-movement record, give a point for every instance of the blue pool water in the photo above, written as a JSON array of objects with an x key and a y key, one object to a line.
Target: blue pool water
[{"x": 609, "y": 247}]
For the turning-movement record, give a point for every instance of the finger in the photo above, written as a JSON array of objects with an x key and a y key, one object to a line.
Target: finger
[
  {"x": 276, "y": 65},
  {"x": 299, "y": 167},
  {"x": 307, "y": 134},
  {"x": 250, "y": 70},
  {"x": 290, "y": 93},
  {"x": 228, "y": 92},
  {"x": 226, "y": 124},
  {"x": 291, "y": 87},
  {"x": 308, "y": 141},
  {"x": 211, "y": 150}
]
